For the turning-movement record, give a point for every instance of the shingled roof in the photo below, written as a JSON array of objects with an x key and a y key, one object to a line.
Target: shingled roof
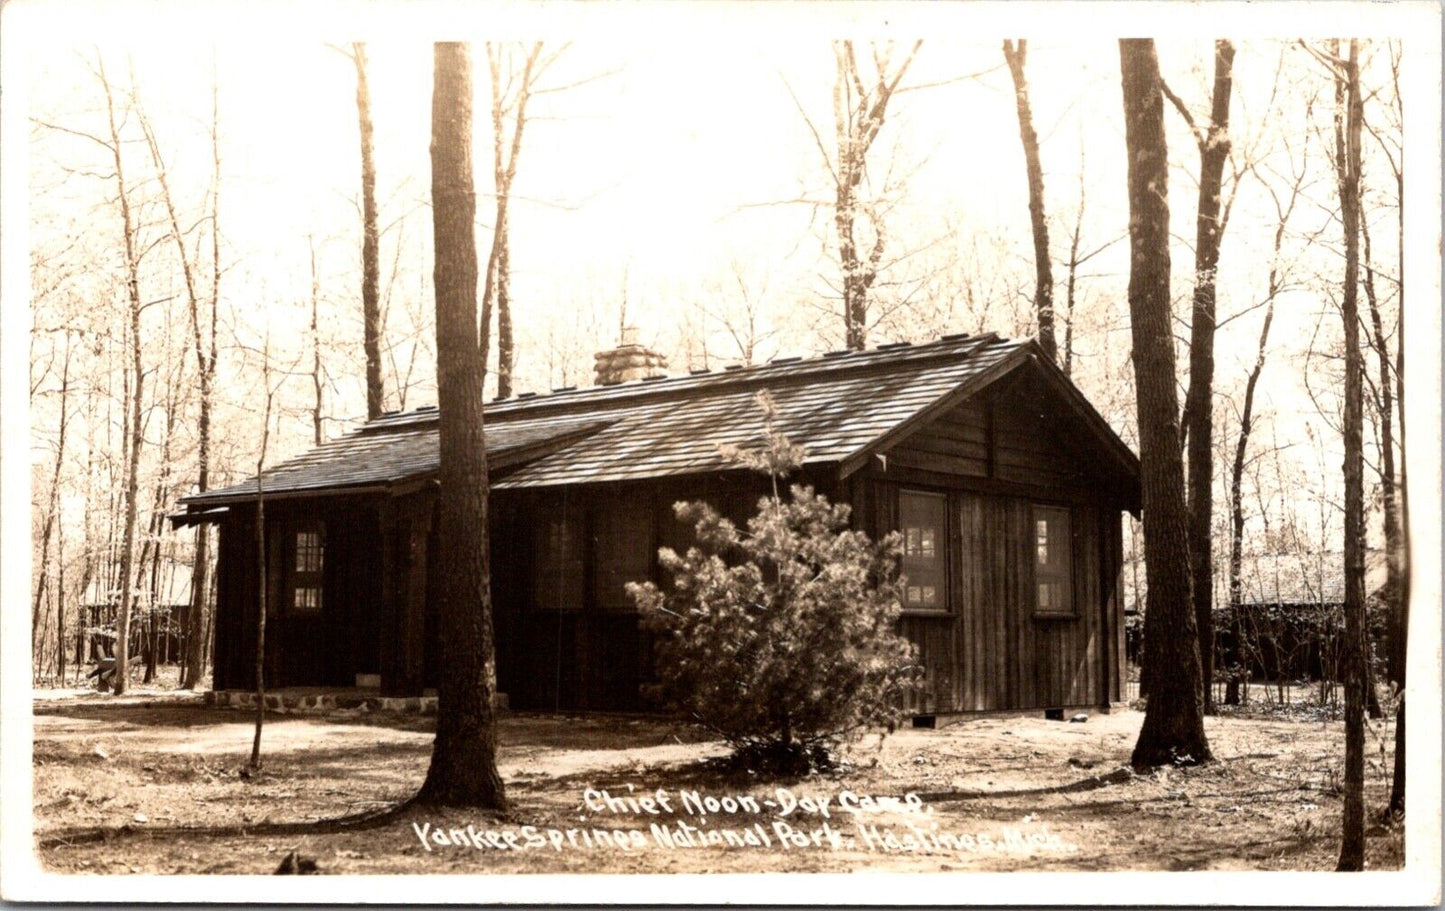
[{"x": 840, "y": 406}]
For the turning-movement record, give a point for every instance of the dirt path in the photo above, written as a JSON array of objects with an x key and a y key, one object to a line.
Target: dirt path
[{"x": 998, "y": 793}]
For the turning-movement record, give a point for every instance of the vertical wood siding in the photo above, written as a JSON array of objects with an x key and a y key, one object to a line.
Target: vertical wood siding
[{"x": 991, "y": 652}]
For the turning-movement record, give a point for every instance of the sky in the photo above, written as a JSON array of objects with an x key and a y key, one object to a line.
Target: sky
[{"x": 678, "y": 158}]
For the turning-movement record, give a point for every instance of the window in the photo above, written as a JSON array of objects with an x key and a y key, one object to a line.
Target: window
[
  {"x": 557, "y": 560},
  {"x": 1053, "y": 566},
  {"x": 920, "y": 520},
  {"x": 622, "y": 547},
  {"x": 308, "y": 553}
]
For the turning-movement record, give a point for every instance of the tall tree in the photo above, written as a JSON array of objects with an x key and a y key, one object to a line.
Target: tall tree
[
  {"x": 317, "y": 433},
  {"x": 1284, "y": 208},
  {"x": 859, "y": 109},
  {"x": 1016, "y": 55},
  {"x": 135, "y": 429},
  {"x": 51, "y": 513},
  {"x": 205, "y": 359},
  {"x": 1398, "y": 556},
  {"x": 497, "y": 290},
  {"x": 160, "y": 501},
  {"x": 1173, "y": 729},
  {"x": 1214, "y": 146},
  {"x": 260, "y": 538},
  {"x": 463, "y": 770},
  {"x": 203, "y": 338},
  {"x": 1348, "y": 118},
  {"x": 370, "y": 240},
  {"x": 1382, "y": 418}
]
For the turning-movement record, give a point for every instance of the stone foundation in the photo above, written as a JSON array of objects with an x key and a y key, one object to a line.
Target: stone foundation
[{"x": 284, "y": 703}]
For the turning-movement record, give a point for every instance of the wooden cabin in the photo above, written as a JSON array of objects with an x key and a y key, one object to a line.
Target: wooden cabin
[{"x": 1007, "y": 485}]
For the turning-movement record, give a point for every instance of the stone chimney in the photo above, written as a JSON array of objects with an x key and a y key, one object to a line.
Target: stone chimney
[{"x": 628, "y": 361}]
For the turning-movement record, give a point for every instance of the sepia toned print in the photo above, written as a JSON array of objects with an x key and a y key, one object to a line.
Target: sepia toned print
[{"x": 870, "y": 446}]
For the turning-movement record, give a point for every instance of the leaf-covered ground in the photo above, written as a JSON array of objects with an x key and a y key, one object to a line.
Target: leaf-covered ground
[{"x": 159, "y": 787}]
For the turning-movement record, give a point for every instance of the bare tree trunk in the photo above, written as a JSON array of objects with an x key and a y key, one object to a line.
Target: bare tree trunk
[
  {"x": 1384, "y": 402},
  {"x": 261, "y": 568},
  {"x": 1198, "y": 427},
  {"x": 146, "y": 569},
  {"x": 1384, "y": 409},
  {"x": 506, "y": 350},
  {"x": 1069, "y": 305},
  {"x": 205, "y": 362},
  {"x": 497, "y": 289},
  {"x": 317, "y": 435},
  {"x": 88, "y": 546},
  {"x": 370, "y": 241},
  {"x": 260, "y": 620},
  {"x": 858, "y": 113},
  {"x": 132, "y": 491},
  {"x": 1173, "y": 730},
  {"x": 463, "y": 770},
  {"x": 1347, "y": 161},
  {"x": 153, "y": 627},
  {"x": 1246, "y": 418},
  {"x": 53, "y": 506},
  {"x": 60, "y": 643},
  {"x": 137, "y": 372},
  {"x": 1402, "y": 624},
  {"x": 1016, "y": 56},
  {"x": 152, "y": 550},
  {"x": 195, "y": 663},
  {"x": 208, "y": 622}
]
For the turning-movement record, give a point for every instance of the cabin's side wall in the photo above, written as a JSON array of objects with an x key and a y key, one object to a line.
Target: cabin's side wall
[
  {"x": 325, "y": 647},
  {"x": 997, "y": 459}
]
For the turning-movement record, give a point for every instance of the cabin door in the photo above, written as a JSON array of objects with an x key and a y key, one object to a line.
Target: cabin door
[{"x": 297, "y": 653}]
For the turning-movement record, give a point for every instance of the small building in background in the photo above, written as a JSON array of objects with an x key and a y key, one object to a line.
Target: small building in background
[
  {"x": 1290, "y": 619},
  {"x": 156, "y": 617}
]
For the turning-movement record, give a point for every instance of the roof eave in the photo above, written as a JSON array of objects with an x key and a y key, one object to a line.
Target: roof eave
[
  {"x": 201, "y": 504},
  {"x": 403, "y": 485}
]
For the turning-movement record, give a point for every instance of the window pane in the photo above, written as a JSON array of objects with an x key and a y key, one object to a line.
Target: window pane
[
  {"x": 303, "y": 576},
  {"x": 306, "y": 598},
  {"x": 920, "y": 519},
  {"x": 1049, "y": 593},
  {"x": 623, "y": 547},
  {"x": 1053, "y": 568},
  {"x": 308, "y": 552}
]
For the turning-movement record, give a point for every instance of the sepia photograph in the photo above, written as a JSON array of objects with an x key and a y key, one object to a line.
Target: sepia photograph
[{"x": 678, "y": 453}]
